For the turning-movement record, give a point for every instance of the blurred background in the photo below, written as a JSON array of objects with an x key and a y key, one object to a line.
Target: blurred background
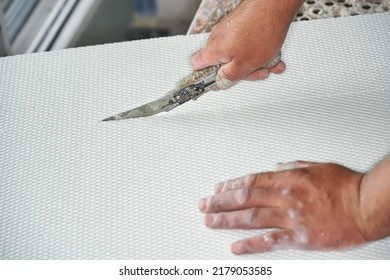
[{"x": 28, "y": 26}]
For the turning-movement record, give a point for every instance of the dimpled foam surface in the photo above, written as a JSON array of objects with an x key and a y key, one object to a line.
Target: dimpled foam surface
[{"x": 73, "y": 187}]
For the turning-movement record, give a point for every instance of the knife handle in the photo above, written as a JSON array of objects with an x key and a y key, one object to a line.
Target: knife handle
[
  {"x": 275, "y": 61},
  {"x": 199, "y": 75}
]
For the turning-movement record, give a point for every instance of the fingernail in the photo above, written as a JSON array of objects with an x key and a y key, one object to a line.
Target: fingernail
[
  {"x": 223, "y": 83},
  {"x": 209, "y": 219},
  {"x": 237, "y": 248},
  {"x": 203, "y": 204}
]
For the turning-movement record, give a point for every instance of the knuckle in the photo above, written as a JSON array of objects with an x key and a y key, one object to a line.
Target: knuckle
[
  {"x": 300, "y": 175},
  {"x": 227, "y": 73},
  {"x": 244, "y": 196},
  {"x": 300, "y": 180},
  {"x": 253, "y": 216},
  {"x": 213, "y": 203},
  {"x": 218, "y": 220},
  {"x": 250, "y": 180},
  {"x": 301, "y": 172},
  {"x": 333, "y": 166},
  {"x": 261, "y": 178},
  {"x": 236, "y": 183}
]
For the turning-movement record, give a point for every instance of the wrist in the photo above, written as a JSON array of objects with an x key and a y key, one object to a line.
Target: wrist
[{"x": 375, "y": 201}]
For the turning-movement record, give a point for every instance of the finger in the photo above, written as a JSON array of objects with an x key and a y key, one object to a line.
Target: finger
[
  {"x": 259, "y": 74},
  {"x": 237, "y": 183},
  {"x": 294, "y": 164},
  {"x": 263, "y": 73},
  {"x": 278, "y": 68},
  {"x": 253, "y": 218},
  {"x": 202, "y": 59},
  {"x": 264, "y": 179},
  {"x": 276, "y": 240},
  {"x": 230, "y": 74},
  {"x": 242, "y": 199}
]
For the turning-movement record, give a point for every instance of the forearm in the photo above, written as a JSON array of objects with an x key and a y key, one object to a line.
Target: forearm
[
  {"x": 289, "y": 6},
  {"x": 375, "y": 200},
  {"x": 282, "y": 11}
]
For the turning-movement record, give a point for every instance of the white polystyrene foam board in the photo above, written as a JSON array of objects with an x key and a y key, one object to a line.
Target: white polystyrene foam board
[{"x": 73, "y": 187}]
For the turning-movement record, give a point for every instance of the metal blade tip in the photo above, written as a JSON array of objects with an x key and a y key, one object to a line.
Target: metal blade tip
[{"x": 109, "y": 119}]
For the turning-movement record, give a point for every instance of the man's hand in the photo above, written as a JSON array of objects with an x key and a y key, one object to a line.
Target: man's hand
[
  {"x": 246, "y": 40},
  {"x": 313, "y": 205}
]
